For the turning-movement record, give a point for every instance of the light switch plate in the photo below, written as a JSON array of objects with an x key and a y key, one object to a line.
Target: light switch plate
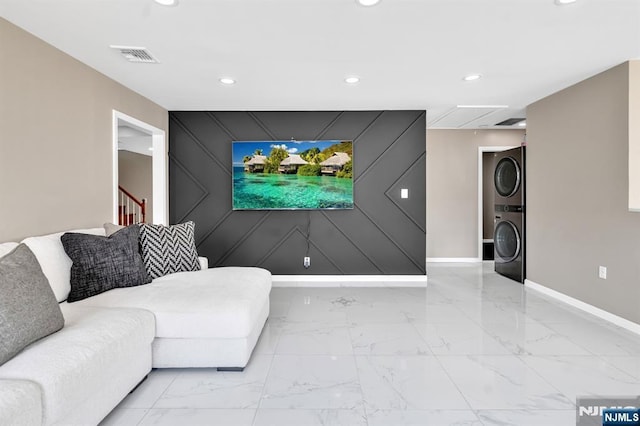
[{"x": 602, "y": 272}]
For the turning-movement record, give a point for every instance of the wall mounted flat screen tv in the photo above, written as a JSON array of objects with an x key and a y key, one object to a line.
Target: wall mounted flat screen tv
[{"x": 290, "y": 175}]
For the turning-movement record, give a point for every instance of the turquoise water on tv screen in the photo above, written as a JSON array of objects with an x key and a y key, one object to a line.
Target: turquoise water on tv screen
[{"x": 279, "y": 191}]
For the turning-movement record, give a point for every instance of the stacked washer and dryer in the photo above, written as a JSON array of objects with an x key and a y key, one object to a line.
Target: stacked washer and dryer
[{"x": 509, "y": 223}]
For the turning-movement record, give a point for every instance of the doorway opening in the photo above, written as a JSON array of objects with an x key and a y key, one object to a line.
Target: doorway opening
[
  {"x": 485, "y": 196},
  {"x": 133, "y": 141}
]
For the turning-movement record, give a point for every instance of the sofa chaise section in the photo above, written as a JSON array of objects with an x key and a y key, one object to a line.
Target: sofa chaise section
[
  {"x": 88, "y": 367},
  {"x": 207, "y": 318}
]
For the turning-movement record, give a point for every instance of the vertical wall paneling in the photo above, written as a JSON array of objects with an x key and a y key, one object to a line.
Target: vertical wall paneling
[{"x": 382, "y": 235}]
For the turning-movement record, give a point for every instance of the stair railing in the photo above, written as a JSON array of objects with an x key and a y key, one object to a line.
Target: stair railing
[{"x": 130, "y": 209}]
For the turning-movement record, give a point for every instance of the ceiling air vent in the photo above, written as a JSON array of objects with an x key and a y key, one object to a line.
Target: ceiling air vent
[
  {"x": 510, "y": 121},
  {"x": 136, "y": 54}
]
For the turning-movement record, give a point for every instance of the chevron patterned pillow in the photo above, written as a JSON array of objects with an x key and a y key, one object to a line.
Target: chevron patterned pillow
[{"x": 168, "y": 249}]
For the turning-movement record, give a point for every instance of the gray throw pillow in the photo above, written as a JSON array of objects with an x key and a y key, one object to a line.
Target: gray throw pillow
[
  {"x": 111, "y": 228},
  {"x": 104, "y": 263},
  {"x": 28, "y": 308},
  {"x": 168, "y": 249}
]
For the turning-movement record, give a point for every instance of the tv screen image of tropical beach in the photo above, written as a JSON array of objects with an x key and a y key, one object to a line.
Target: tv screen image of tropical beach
[{"x": 287, "y": 175}]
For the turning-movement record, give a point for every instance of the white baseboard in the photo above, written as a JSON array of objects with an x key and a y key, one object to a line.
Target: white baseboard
[
  {"x": 454, "y": 259},
  {"x": 349, "y": 281},
  {"x": 600, "y": 313}
]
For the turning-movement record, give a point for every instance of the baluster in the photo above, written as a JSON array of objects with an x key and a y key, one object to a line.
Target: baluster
[{"x": 130, "y": 210}]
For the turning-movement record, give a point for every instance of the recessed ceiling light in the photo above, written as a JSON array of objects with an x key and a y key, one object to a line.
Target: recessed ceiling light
[
  {"x": 352, "y": 79},
  {"x": 472, "y": 77},
  {"x": 522, "y": 123},
  {"x": 367, "y": 2},
  {"x": 167, "y": 2},
  {"x": 563, "y": 2},
  {"x": 228, "y": 81}
]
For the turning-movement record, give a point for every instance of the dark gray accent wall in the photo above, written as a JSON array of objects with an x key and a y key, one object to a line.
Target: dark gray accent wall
[{"x": 382, "y": 235}]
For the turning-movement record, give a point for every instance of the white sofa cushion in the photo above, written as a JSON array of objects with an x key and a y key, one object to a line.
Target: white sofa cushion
[
  {"x": 210, "y": 352},
  {"x": 53, "y": 260},
  {"x": 20, "y": 403},
  {"x": 98, "y": 356},
  {"x": 221, "y": 302},
  {"x": 6, "y": 248}
]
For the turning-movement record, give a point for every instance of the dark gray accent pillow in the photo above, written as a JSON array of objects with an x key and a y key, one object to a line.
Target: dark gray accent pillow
[
  {"x": 168, "y": 249},
  {"x": 104, "y": 263},
  {"x": 29, "y": 310}
]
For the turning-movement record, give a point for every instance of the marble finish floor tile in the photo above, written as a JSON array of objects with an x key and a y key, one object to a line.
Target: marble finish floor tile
[
  {"x": 281, "y": 294},
  {"x": 279, "y": 309},
  {"x": 124, "y": 417},
  {"x": 198, "y": 417},
  {"x": 381, "y": 313},
  {"x": 150, "y": 390},
  {"x": 314, "y": 339},
  {"x": 551, "y": 314},
  {"x": 578, "y": 376},
  {"x": 599, "y": 338},
  {"x": 388, "y": 339},
  {"x": 441, "y": 313},
  {"x": 502, "y": 382},
  {"x": 423, "y": 417},
  {"x": 627, "y": 364},
  {"x": 368, "y": 295},
  {"x": 312, "y": 382},
  {"x": 270, "y": 336},
  {"x": 532, "y": 338},
  {"x": 489, "y": 312},
  {"x": 459, "y": 339},
  {"x": 527, "y": 417},
  {"x": 407, "y": 383},
  {"x": 317, "y": 312},
  {"x": 472, "y": 348},
  {"x": 283, "y": 417},
  {"x": 208, "y": 388},
  {"x": 314, "y": 309}
]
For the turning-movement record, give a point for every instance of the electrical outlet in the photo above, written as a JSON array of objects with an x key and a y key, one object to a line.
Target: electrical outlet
[
  {"x": 602, "y": 272},
  {"x": 307, "y": 261}
]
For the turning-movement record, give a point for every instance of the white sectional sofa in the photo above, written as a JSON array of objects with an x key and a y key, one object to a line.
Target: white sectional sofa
[
  {"x": 110, "y": 342},
  {"x": 86, "y": 368},
  {"x": 20, "y": 403},
  {"x": 199, "y": 324}
]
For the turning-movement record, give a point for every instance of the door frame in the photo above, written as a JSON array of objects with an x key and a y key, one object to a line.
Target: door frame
[
  {"x": 482, "y": 150},
  {"x": 160, "y": 185}
]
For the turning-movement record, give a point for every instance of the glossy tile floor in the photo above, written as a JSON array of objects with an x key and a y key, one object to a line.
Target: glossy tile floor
[{"x": 473, "y": 348}]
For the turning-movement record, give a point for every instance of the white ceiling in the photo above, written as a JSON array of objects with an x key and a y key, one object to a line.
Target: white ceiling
[
  {"x": 295, "y": 54},
  {"x": 134, "y": 140}
]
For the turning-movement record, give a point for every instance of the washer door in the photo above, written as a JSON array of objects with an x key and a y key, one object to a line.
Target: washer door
[
  {"x": 506, "y": 239},
  {"x": 506, "y": 177}
]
